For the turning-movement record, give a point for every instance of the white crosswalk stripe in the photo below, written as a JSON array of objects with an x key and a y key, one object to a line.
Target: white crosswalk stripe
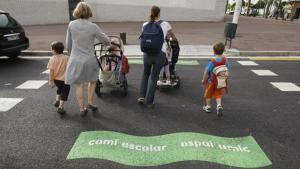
[
  {"x": 247, "y": 63},
  {"x": 264, "y": 73},
  {"x": 286, "y": 86},
  {"x": 32, "y": 84},
  {"x": 46, "y": 71},
  {"x": 8, "y": 103}
]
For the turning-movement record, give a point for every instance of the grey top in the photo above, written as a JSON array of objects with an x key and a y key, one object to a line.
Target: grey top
[{"x": 82, "y": 66}]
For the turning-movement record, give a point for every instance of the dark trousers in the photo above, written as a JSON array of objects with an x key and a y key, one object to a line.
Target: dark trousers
[
  {"x": 62, "y": 89},
  {"x": 152, "y": 66}
]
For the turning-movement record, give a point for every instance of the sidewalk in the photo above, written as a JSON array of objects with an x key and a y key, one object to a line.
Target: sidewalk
[{"x": 253, "y": 34}]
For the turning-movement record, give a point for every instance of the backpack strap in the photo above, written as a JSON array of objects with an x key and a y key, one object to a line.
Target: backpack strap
[
  {"x": 159, "y": 22},
  {"x": 216, "y": 64}
]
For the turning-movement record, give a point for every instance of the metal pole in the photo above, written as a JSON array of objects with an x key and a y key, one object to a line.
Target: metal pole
[{"x": 237, "y": 11}]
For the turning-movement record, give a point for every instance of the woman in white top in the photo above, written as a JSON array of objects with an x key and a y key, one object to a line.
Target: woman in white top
[
  {"x": 153, "y": 62},
  {"x": 82, "y": 66}
]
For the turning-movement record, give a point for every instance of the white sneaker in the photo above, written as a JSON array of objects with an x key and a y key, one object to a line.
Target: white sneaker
[
  {"x": 159, "y": 82},
  {"x": 207, "y": 109},
  {"x": 168, "y": 82}
]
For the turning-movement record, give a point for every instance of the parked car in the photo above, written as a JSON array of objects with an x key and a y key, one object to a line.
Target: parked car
[{"x": 12, "y": 36}]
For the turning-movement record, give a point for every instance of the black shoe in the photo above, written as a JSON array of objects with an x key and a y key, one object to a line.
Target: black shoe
[
  {"x": 84, "y": 112},
  {"x": 92, "y": 107},
  {"x": 150, "y": 105},
  {"x": 56, "y": 103},
  {"x": 220, "y": 111},
  {"x": 61, "y": 111}
]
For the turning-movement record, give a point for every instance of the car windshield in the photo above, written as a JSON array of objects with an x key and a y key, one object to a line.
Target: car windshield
[{"x": 6, "y": 21}]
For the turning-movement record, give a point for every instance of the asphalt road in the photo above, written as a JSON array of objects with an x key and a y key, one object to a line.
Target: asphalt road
[{"x": 33, "y": 135}]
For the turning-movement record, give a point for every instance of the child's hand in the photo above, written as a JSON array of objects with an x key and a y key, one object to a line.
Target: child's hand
[
  {"x": 204, "y": 82},
  {"x": 51, "y": 84}
]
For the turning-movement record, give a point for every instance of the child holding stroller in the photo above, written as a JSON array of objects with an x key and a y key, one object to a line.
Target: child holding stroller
[
  {"x": 166, "y": 69},
  {"x": 215, "y": 78}
]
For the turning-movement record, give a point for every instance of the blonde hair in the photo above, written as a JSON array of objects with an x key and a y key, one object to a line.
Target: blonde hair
[{"x": 83, "y": 11}]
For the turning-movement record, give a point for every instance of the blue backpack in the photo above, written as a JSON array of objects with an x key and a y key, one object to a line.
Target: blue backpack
[{"x": 152, "y": 38}]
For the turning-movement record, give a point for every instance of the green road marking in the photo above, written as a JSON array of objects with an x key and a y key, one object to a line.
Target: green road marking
[
  {"x": 180, "y": 62},
  {"x": 159, "y": 150},
  {"x": 135, "y": 61}
]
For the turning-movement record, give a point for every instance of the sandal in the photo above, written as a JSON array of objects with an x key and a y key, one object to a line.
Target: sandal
[
  {"x": 83, "y": 112},
  {"x": 92, "y": 107}
]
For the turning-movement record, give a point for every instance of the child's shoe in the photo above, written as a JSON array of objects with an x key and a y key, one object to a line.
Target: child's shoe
[
  {"x": 61, "y": 111},
  {"x": 168, "y": 82},
  {"x": 207, "y": 109},
  {"x": 219, "y": 110},
  {"x": 160, "y": 82},
  {"x": 56, "y": 103}
]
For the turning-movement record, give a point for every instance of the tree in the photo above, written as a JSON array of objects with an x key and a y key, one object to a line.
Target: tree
[{"x": 260, "y": 4}]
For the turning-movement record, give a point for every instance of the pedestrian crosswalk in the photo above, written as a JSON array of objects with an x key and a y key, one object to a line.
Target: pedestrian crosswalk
[
  {"x": 7, "y": 104},
  {"x": 264, "y": 73},
  {"x": 286, "y": 86},
  {"x": 282, "y": 86},
  {"x": 32, "y": 84},
  {"x": 247, "y": 63}
]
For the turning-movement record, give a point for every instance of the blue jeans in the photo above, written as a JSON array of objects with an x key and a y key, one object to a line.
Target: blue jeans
[{"x": 154, "y": 63}]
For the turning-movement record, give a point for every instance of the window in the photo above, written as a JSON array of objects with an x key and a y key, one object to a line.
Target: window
[{"x": 6, "y": 21}]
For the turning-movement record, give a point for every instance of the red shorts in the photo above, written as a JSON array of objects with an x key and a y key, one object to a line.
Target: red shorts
[{"x": 212, "y": 92}]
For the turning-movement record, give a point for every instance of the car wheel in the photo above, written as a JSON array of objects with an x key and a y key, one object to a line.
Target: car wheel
[{"x": 14, "y": 55}]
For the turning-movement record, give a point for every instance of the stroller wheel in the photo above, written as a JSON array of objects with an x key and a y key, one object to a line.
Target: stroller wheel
[
  {"x": 125, "y": 87},
  {"x": 98, "y": 88},
  {"x": 178, "y": 82}
]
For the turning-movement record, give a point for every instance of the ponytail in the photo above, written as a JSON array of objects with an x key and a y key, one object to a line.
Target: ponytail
[{"x": 155, "y": 11}]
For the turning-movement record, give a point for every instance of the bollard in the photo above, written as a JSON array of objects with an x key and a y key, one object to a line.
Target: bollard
[{"x": 123, "y": 37}]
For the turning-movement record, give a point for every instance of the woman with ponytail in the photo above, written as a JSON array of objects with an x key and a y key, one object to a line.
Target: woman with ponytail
[{"x": 153, "y": 61}]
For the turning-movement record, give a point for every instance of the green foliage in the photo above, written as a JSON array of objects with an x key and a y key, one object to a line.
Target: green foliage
[{"x": 260, "y": 4}]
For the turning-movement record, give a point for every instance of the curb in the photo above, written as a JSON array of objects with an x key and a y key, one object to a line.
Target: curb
[{"x": 263, "y": 53}]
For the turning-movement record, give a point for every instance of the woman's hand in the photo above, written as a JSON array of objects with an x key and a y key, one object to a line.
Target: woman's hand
[{"x": 51, "y": 83}]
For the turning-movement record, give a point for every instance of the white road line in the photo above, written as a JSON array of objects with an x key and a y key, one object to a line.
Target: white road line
[
  {"x": 8, "y": 103},
  {"x": 46, "y": 71},
  {"x": 264, "y": 73},
  {"x": 286, "y": 86},
  {"x": 247, "y": 63},
  {"x": 32, "y": 84}
]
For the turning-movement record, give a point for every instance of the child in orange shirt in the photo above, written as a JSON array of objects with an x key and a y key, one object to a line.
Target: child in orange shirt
[
  {"x": 214, "y": 90},
  {"x": 57, "y": 66}
]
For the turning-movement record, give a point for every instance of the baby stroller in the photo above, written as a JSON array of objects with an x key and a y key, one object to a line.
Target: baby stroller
[
  {"x": 174, "y": 78},
  {"x": 113, "y": 66}
]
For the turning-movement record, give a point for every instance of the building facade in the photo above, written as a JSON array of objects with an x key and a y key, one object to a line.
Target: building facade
[{"x": 38, "y": 12}]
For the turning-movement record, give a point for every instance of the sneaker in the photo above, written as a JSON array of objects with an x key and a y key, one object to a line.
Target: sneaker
[
  {"x": 207, "y": 109},
  {"x": 159, "y": 82},
  {"x": 141, "y": 100},
  {"x": 61, "y": 111},
  {"x": 92, "y": 107},
  {"x": 168, "y": 82},
  {"x": 56, "y": 103},
  {"x": 150, "y": 105},
  {"x": 219, "y": 111}
]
